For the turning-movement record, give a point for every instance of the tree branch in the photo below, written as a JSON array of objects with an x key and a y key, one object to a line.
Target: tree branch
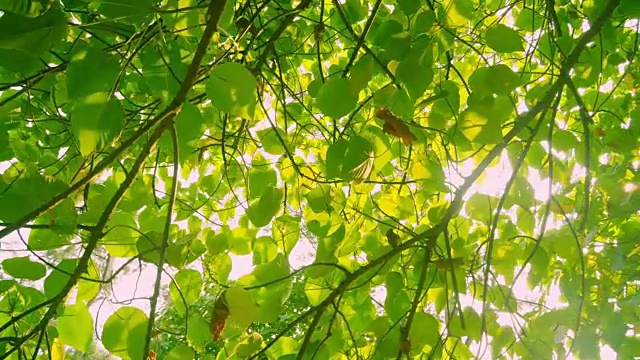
[
  {"x": 360, "y": 42},
  {"x": 165, "y": 240}
]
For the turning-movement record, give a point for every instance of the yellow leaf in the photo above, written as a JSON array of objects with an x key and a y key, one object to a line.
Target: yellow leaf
[{"x": 57, "y": 350}]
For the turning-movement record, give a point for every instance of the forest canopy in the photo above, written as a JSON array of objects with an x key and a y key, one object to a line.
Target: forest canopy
[{"x": 335, "y": 179}]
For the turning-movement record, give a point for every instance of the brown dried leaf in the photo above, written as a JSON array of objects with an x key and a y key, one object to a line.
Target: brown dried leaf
[
  {"x": 219, "y": 317},
  {"x": 395, "y": 126}
]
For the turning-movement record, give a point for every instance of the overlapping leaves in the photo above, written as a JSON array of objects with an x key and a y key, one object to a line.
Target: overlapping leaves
[{"x": 349, "y": 131}]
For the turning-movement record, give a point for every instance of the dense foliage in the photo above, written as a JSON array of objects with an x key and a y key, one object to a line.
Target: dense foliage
[{"x": 169, "y": 137}]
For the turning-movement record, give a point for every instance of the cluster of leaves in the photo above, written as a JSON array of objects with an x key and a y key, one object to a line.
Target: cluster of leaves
[
  {"x": 174, "y": 321},
  {"x": 178, "y": 133}
]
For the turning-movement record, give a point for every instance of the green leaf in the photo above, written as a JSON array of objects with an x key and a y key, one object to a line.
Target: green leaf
[
  {"x": 362, "y": 72},
  {"x": 629, "y": 9},
  {"x": 242, "y": 307},
  {"x": 218, "y": 243},
  {"x": 430, "y": 173},
  {"x": 260, "y": 180},
  {"x": 481, "y": 207},
  {"x": 503, "y": 339},
  {"x": 394, "y": 282},
  {"x": 522, "y": 193},
  {"x": 448, "y": 106},
  {"x": 614, "y": 330},
  {"x": 334, "y": 158},
  {"x": 464, "y": 8},
  {"x": 283, "y": 346},
  {"x": 75, "y": 327},
  {"x": 96, "y": 120},
  {"x": 276, "y": 269},
  {"x": 88, "y": 290},
  {"x": 564, "y": 140},
  {"x": 355, "y": 10},
  {"x": 314, "y": 87},
  {"x": 423, "y": 22},
  {"x": 587, "y": 341},
  {"x": 23, "y": 40},
  {"x": 396, "y": 306},
  {"x": 408, "y": 7},
  {"x": 262, "y": 212},
  {"x": 416, "y": 75},
  {"x": 480, "y": 127},
  {"x": 386, "y": 31},
  {"x": 316, "y": 293},
  {"x": 250, "y": 345},
  {"x": 185, "y": 289},
  {"x": 503, "y": 39},
  {"x": 272, "y": 302},
  {"x": 6, "y": 285},
  {"x": 28, "y": 8},
  {"x": 265, "y": 250},
  {"x": 126, "y": 11},
  {"x": 270, "y": 141},
  {"x": 91, "y": 71},
  {"x": 189, "y": 128},
  {"x": 529, "y": 20},
  {"x": 473, "y": 325},
  {"x": 359, "y": 153},
  {"x": 23, "y": 268},
  {"x": 120, "y": 239},
  {"x": 240, "y": 240},
  {"x": 226, "y": 18},
  {"x": 589, "y": 67},
  {"x": 26, "y": 193},
  {"x": 232, "y": 89},
  {"x": 219, "y": 267},
  {"x": 198, "y": 333},
  {"x": 285, "y": 230},
  {"x": 500, "y": 297},
  {"x": 179, "y": 352},
  {"x": 336, "y": 97},
  {"x": 526, "y": 221},
  {"x": 397, "y": 47},
  {"x": 497, "y": 79},
  {"x": 184, "y": 251},
  {"x": 122, "y": 332},
  {"x": 425, "y": 330},
  {"x": 148, "y": 246},
  {"x": 45, "y": 239},
  {"x": 319, "y": 199},
  {"x": 539, "y": 267}
]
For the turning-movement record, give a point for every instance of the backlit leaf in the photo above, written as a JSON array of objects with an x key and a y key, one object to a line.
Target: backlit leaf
[
  {"x": 232, "y": 89},
  {"x": 75, "y": 327},
  {"x": 122, "y": 332},
  {"x": 242, "y": 307},
  {"x": 262, "y": 212},
  {"x": 185, "y": 289},
  {"x": 503, "y": 39},
  {"x": 336, "y": 97},
  {"x": 96, "y": 120}
]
